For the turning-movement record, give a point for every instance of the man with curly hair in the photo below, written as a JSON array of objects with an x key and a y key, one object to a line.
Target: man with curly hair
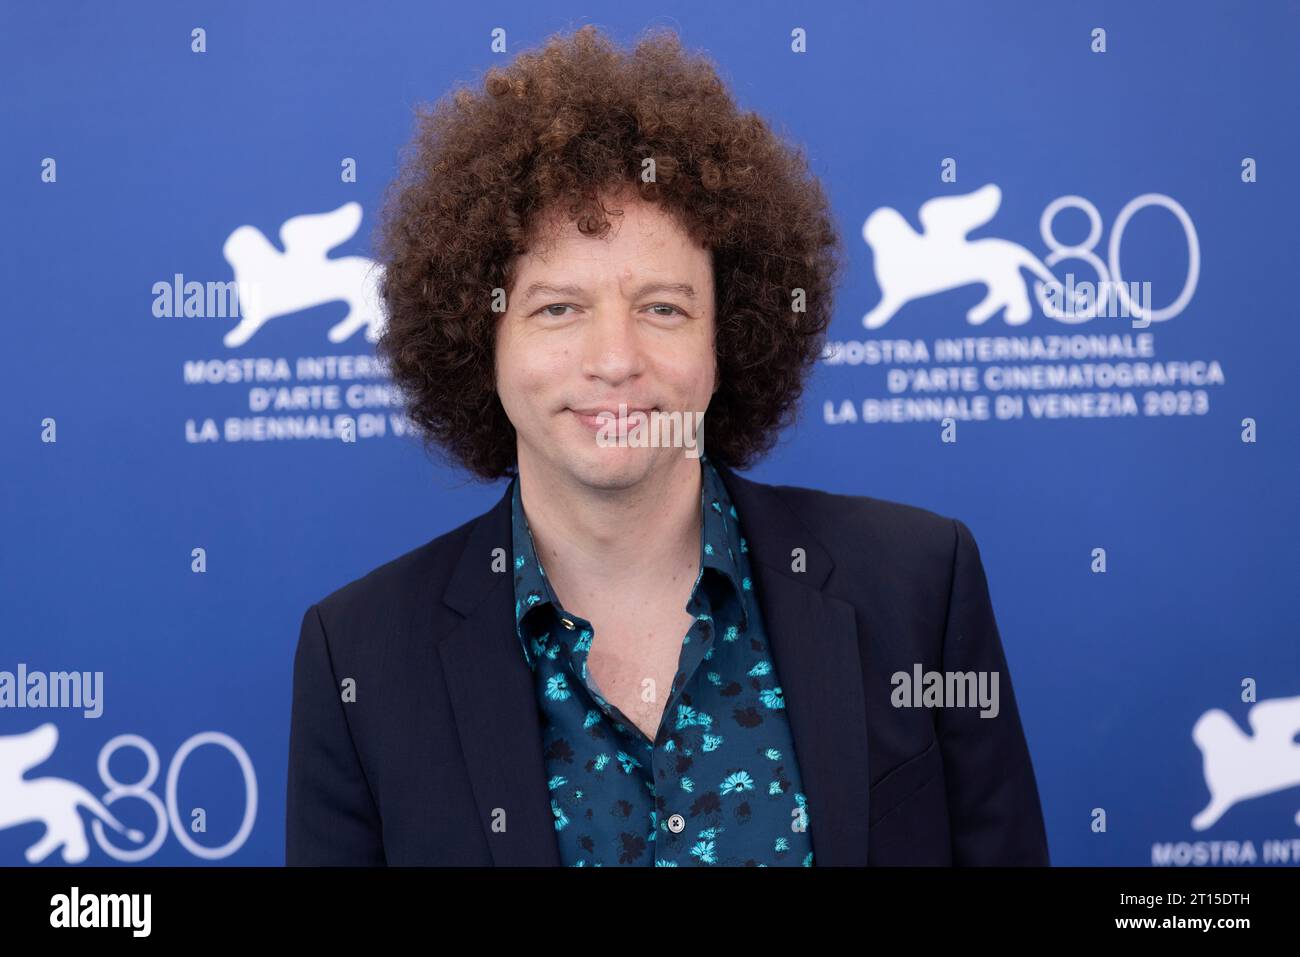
[{"x": 606, "y": 283}]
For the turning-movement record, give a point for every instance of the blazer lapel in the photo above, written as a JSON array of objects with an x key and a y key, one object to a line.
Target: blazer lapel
[
  {"x": 814, "y": 641},
  {"x": 492, "y": 695}
]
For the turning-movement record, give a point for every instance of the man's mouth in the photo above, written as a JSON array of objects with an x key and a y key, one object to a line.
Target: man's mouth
[{"x": 598, "y": 417}]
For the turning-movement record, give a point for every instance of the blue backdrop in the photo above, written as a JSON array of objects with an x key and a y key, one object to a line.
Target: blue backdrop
[{"x": 1131, "y": 484}]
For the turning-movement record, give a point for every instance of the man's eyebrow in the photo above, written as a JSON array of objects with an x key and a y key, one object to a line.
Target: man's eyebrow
[
  {"x": 681, "y": 288},
  {"x": 537, "y": 288},
  {"x": 540, "y": 287}
]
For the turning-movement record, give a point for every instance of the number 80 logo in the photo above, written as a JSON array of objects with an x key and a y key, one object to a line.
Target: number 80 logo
[
  {"x": 170, "y": 813},
  {"x": 1085, "y": 253}
]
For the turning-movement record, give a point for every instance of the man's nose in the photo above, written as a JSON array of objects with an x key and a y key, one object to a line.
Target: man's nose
[{"x": 613, "y": 346}]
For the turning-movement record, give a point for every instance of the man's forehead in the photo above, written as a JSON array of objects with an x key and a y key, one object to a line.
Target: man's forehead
[{"x": 559, "y": 255}]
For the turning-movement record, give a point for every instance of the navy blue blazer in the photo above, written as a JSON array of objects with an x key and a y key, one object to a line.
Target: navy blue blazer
[{"x": 438, "y": 760}]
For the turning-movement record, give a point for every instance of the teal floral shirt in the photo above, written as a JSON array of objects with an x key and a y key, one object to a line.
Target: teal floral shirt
[{"x": 719, "y": 784}]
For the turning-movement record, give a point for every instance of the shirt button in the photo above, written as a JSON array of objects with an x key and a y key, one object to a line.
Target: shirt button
[
  {"x": 677, "y": 824},
  {"x": 566, "y": 623}
]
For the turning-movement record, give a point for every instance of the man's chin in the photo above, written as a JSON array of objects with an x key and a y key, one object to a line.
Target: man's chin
[{"x": 611, "y": 467}]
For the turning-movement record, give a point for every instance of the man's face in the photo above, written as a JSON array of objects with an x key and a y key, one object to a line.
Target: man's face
[{"x": 595, "y": 322}]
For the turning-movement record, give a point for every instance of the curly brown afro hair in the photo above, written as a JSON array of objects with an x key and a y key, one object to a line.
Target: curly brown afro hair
[{"x": 560, "y": 128}]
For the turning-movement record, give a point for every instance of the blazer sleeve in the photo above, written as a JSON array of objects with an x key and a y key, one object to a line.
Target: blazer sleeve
[
  {"x": 994, "y": 810},
  {"x": 330, "y": 813}
]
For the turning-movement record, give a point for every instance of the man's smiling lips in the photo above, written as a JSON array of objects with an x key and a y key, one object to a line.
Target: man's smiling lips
[{"x": 597, "y": 417}]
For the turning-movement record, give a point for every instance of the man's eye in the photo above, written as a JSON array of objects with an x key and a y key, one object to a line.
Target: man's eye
[
  {"x": 555, "y": 305},
  {"x": 550, "y": 310}
]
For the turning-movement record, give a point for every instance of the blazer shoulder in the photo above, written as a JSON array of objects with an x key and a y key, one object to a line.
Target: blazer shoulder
[
  {"x": 909, "y": 535},
  {"x": 413, "y": 574},
  {"x": 830, "y": 508}
]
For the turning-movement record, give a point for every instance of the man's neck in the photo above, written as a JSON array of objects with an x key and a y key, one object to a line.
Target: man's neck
[{"x": 604, "y": 548}]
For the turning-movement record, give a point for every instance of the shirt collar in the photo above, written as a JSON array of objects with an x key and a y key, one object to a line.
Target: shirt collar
[{"x": 721, "y": 546}]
